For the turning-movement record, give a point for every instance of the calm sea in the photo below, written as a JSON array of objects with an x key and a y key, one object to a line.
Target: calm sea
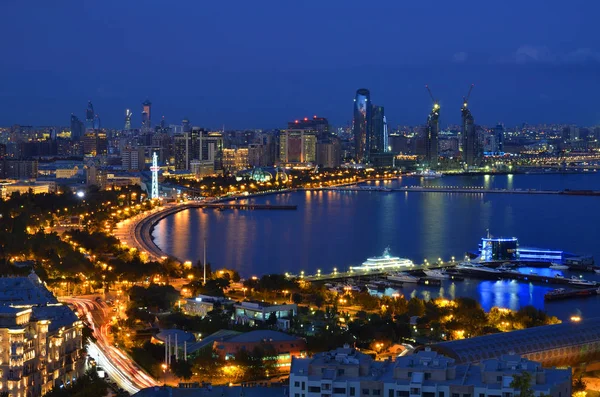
[{"x": 341, "y": 229}]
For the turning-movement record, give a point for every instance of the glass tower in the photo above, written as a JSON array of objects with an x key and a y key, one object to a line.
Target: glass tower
[
  {"x": 431, "y": 136},
  {"x": 469, "y": 137},
  {"x": 146, "y": 114},
  {"x": 361, "y": 125}
]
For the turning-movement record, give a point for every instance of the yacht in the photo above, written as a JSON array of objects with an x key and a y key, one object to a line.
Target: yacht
[
  {"x": 475, "y": 267},
  {"x": 597, "y": 271},
  {"x": 505, "y": 269},
  {"x": 439, "y": 274},
  {"x": 558, "y": 266},
  {"x": 403, "y": 277},
  {"x": 580, "y": 281},
  {"x": 385, "y": 261}
]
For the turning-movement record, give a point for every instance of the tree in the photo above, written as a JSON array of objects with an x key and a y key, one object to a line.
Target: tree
[
  {"x": 521, "y": 383},
  {"x": 579, "y": 385},
  {"x": 416, "y": 307},
  {"x": 161, "y": 297},
  {"x": 272, "y": 320},
  {"x": 297, "y": 298},
  {"x": 319, "y": 300},
  {"x": 182, "y": 369}
]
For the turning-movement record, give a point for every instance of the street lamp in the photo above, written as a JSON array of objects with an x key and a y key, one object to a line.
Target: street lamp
[{"x": 164, "y": 368}]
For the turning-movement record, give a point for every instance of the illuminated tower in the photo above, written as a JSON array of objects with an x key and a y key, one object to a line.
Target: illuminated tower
[
  {"x": 155, "y": 168},
  {"x": 146, "y": 114},
  {"x": 469, "y": 134},
  {"x": 128, "y": 114},
  {"x": 97, "y": 124},
  {"x": 431, "y": 133},
  {"x": 89, "y": 116},
  {"x": 377, "y": 135},
  {"x": 361, "y": 125}
]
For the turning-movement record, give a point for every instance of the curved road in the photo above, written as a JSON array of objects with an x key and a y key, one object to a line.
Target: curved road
[{"x": 119, "y": 367}]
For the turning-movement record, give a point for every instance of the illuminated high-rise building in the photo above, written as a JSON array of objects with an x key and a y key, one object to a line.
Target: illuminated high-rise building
[
  {"x": 499, "y": 134},
  {"x": 317, "y": 125},
  {"x": 470, "y": 142},
  {"x": 89, "y": 116},
  {"x": 432, "y": 131},
  {"x": 378, "y": 130},
  {"x": 146, "y": 114},
  {"x": 361, "y": 125},
  {"x": 77, "y": 128},
  {"x": 128, "y": 114},
  {"x": 97, "y": 124}
]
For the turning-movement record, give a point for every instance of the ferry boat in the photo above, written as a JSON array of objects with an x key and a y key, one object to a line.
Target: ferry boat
[
  {"x": 385, "y": 261},
  {"x": 558, "y": 266},
  {"x": 403, "y": 278},
  {"x": 580, "y": 281},
  {"x": 437, "y": 274},
  {"x": 471, "y": 266},
  {"x": 429, "y": 174}
]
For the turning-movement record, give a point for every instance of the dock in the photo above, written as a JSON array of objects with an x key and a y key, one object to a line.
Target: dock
[
  {"x": 235, "y": 206},
  {"x": 462, "y": 190}
]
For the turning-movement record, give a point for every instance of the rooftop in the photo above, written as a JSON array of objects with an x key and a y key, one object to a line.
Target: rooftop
[
  {"x": 24, "y": 291},
  {"x": 182, "y": 336},
  {"x": 219, "y": 391},
  {"x": 521, "y": 342},
  {"x": 260, "y": 305},
  {"x": 262, "y": 335},
  {"x": 59, "y": 315}
]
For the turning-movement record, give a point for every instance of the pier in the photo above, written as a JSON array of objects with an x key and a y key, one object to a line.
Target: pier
[
  {"x": 463, "y": 190},
  {"x": 235, "y": 206}
]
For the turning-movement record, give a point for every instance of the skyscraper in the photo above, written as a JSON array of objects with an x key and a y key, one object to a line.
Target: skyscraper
[
  {"x": 470, "y": 141},
  {"x": 77, "y": 128},
  {"x": 378, "y": 129},
  {"x": 89, "y": 116},
  {"x": 128, "y": 114},
  {"x": 318, "y": 125},
  {"x": 361, "y": 125},
  {"x": 499, "y": 134},
  {"x": 146, "y": 114},
  {"x": 431, "y": 136},
  {"x": 97, "y": 124},
  {"x": 298, "y": 144}
]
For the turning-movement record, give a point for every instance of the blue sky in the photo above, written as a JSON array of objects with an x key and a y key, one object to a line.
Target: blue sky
[{"x": 258, "y": 64}]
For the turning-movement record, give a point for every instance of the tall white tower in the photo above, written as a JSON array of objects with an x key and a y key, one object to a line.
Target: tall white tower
[{"x": 154, "y": 169}]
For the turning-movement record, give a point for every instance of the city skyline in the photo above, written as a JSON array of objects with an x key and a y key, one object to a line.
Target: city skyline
[{"x": 531, "y": 72}]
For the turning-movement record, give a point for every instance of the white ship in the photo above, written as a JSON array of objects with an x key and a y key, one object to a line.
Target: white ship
[
  {"x": 385, "y": 261},
  {"x": 580, "y": 281},
  {"x": 437, "y": 274},
  {"x": 476, "y": 267},
  {"x": 403, "y": 278},
  {"x": 558, "y": 266},
  {"x": 430, "y": 174},
  {"x": 506, "y": 269}
]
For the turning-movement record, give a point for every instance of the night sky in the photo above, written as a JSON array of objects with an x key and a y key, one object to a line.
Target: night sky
[{"x": 258, "y": 64}]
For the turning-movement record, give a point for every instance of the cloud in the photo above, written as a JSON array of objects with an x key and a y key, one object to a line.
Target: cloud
[
  {"x": 542, "y": 54},
  {"x": 528, "y": 53},
  {"x": 460, "y": 57}
]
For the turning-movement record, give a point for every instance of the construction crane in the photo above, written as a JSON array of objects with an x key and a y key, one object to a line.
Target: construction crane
[
  {"x": 435, "y": 103},
  {"x": 466, "y": 99}
]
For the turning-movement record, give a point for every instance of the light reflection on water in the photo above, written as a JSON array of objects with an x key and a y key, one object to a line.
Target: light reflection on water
[{"x": 342, "y": 229}]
